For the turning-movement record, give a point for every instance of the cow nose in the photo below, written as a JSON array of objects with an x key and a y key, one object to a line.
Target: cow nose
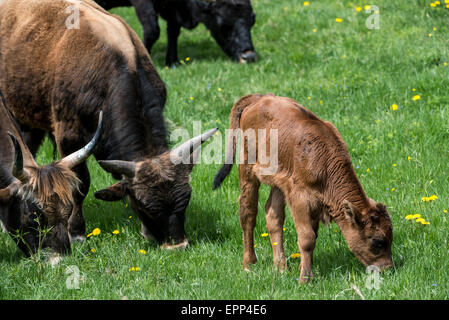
[{"x": 248, "y": 56}]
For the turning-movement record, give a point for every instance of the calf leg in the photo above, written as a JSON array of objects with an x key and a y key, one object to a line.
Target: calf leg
[
  {"x": 275, "y": 216},
  {"x": 148, "y": 18},
  {"x": 307, "y": 229},
  {"x": 248, "y": 212}
]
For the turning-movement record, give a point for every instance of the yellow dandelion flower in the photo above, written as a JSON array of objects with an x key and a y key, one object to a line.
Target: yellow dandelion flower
[
  {"x": 93, "y": 250},
  {"x": 434, "y": 29},
  {"x": 358, "y": 9},
  {"x": 141, "y": 251},
  {"x": 309, "y": 98},
  {"x": 433, "y": 5},
  {"x": 409, "y": 158},
  {"x": 220, "y": 90},
  {"x": 295, "y": 255},
  {"x": 89, "y": 235},
  {"x": 368, "y": 170},
  {"x": 409, "y": 217},
  {"x": 395, "y": 165},
  {"x": 416, "y": 216},
  {"x": 191, "y": 98},
  {"x": 314, "y": 30},
  {"x": 306, "y": 3},
  {"x": 431, "y": 198},
  {"x": 130, "y": 217},
  {"x": 264, "y": 235},
  {"x": 420, "y": 220},
  {"x": 394, "y": 107},
  {"x": 430, "y": 34},
  {"x": 283, "y": 229},
  {"x": 437, "y": 2},
  {"x": 96, "y": 232},
  {"x": 321, "y": 101},
  {"x": 188, "y": 59},
  {"x": 413, "y": 89},
  {"x": 115, "y": 232},
  {"x": 393, "y": 189},
  {"x": 338, "y": 20},
  {"x": 367, "y": 7},
  {"x": 255, "y": 246},
  {"x": 416, "y": 97},
  {"x": 445, "y": 63},
  {"x": 425, "y": 222}
]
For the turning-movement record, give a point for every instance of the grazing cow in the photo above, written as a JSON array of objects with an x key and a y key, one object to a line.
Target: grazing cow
[
  {"x": 229, "y": 22},
  {"x": 65, "y": 76},
  {"x": 34, "y": 198},
  {"x": 314, "y": 176}
]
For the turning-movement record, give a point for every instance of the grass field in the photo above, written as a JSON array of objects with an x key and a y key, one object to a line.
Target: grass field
[{"x": 364, "y": 81}]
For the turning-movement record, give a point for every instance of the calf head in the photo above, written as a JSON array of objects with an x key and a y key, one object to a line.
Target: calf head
[
  {"x": 230, "y": 23},
  {"x": 41, "y": 198},
  {"x": 369, "y": 234},
  {"x": 158, "y": 189}
]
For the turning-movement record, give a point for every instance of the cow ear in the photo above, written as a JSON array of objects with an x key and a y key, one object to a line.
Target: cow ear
[
  {"x": 113, "y": 193},
  {"x": 351, "y": 213},
  {"x": 5, "y": 194}
]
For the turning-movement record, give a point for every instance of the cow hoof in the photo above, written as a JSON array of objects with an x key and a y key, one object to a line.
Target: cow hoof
[
  {"x": 181, "y": 245},
  {"x": 78, "y": 238}
]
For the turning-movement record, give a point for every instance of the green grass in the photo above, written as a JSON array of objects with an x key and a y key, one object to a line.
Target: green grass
[{"x": 343, "y": 72}]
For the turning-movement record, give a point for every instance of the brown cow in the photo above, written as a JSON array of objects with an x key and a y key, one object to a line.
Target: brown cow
[
  {"x": 61, "y": 62},
  {"x": 34, "y": 198},
  {"x": 314, "y": 176}
]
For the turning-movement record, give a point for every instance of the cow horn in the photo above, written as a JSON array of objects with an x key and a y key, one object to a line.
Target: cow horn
[
  {"x": 74, "y": 159},
  {"x": 17, "y": 170},
  {"x": 127, "y": 168},
  {"x": 188, "y": 147}
]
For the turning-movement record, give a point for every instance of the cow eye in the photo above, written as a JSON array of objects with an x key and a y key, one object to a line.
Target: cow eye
[{"x": 379, "y": 243}]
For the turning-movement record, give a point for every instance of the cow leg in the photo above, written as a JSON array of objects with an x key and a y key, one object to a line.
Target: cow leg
[
  {"x": 249, "y": 186},
  {"x": 33, "y": 138},
  {"x": 275, "y": 216},
  {"x": 76, "y": 223},
  {"x": 148, "y": 18},
  {"x": 173, "y": 31},
  {"x": 307, "y": 230}
]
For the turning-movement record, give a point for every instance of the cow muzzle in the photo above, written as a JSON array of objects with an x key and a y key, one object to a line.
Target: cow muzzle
[
  {"x": 247, "y": 56},
  {"x": 169, "y": 246}
]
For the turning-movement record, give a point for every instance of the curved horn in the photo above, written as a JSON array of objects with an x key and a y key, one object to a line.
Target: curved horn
[
  {"x": 188, "y": 147},
  {"x": 127, "y": 168},
  {"x": 17, "y": 170},
  {"x": 74, "y": 159}
]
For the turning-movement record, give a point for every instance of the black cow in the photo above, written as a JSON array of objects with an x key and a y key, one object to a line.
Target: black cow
[{"x": 229, "y": 22}]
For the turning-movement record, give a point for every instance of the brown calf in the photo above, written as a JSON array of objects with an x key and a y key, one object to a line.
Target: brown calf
[{"x": 314, "y": 176}]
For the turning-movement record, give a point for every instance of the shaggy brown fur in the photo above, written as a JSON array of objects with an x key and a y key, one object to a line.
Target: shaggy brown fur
[
  {"x": 314, "y": 177},
  {"x": 48, "y": 190}
]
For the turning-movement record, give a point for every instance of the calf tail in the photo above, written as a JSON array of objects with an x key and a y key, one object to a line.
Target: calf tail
[{"x": 234, "y": 123}]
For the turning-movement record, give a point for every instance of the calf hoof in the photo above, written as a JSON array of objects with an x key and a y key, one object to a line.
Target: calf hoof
[
  {"x": 281, "y": 266},
  {"x": 77, "y": 238}
]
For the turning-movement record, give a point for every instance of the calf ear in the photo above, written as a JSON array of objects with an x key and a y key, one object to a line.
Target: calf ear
[
  {"x": 352, "y": 213},
  {"x": 113, "y": 193}
]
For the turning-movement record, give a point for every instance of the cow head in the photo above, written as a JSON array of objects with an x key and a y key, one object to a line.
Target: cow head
[
  {"x": 41, "y": 198},
  {"x": 369, "y": 234},
  {"x": 158, "y": 189},
  {"x": 230, "y": 23}
]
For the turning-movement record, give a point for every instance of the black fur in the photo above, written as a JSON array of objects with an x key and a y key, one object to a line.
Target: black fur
[{"x": 229, "y": 21}]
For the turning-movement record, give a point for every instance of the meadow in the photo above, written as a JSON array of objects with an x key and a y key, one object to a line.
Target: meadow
[{"x": 386, "y": 90}]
